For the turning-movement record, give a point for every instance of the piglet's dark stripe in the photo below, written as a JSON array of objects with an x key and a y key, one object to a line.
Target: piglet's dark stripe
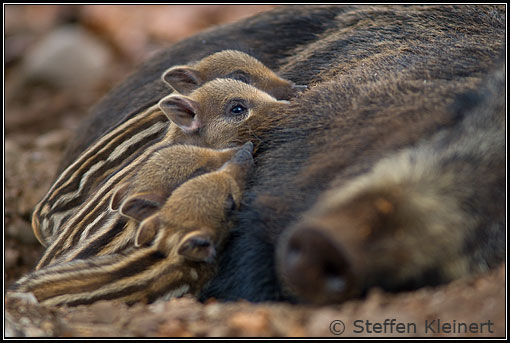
[{"x": 108, "y": 156}]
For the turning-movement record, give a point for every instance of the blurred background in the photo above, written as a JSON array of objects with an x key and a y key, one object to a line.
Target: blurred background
[{"x": 58, "y": 61}]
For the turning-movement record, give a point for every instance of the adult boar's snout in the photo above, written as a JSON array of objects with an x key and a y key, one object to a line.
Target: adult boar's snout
[{"x": 313, "y": 266}]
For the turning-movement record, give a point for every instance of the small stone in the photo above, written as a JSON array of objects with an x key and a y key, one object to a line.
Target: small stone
[
  {"x": 158, "y": 307},
  {"x": 68, "y": 57},
  {"x": 52, "y": 139},
  {"x": 27, "y": 297},
  {"x": 35, "y": 332},
  {"x": 24, "y": 321},
  {"x": 213, "y": 310},
  {"x": 250, "y": 324},
  {"x": 173, "y": 328},
  {"x": 11, "y": 257}
]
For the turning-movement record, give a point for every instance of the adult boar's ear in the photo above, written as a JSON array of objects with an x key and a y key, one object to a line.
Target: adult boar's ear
[
  {"x": 141, "y": 205},
  {"x": 182, "y": 78},
  {"x": 181, "y": 110}
]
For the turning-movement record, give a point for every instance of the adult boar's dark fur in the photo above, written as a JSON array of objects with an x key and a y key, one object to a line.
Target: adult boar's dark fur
[
  {"x": 383, "y": 78},
  {"x": 425, "y": 214}
]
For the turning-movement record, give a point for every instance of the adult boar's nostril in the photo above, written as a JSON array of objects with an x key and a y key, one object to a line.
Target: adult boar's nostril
[
  {"x": 295, "y": 254},
  {"x": 314, "y": 267}
]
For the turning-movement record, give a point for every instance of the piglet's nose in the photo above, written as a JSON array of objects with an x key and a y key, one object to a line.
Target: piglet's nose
[
  {"x": 313, "y": 267},
  {"x": 244, "y": 155}
]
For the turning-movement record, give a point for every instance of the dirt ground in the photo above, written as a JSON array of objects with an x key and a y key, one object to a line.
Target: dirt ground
[{"x": 41, "y": 112}]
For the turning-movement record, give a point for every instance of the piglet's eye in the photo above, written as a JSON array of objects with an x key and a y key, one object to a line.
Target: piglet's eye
[{"x": 238, "y": 109}]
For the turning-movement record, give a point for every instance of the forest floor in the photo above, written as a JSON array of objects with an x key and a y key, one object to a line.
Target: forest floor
[{"x": 41, "y": 113}]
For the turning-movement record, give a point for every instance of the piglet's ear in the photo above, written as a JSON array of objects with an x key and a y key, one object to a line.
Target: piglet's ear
[
  {"x": 197, "y": 246},
  {"x": 147, "y": 231},
  {"x": 141, "y": 205},
  {"x": 182, "y": 78},
  {"x": 118, "y": 196},
  {"x": 182, "y": 111}
]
